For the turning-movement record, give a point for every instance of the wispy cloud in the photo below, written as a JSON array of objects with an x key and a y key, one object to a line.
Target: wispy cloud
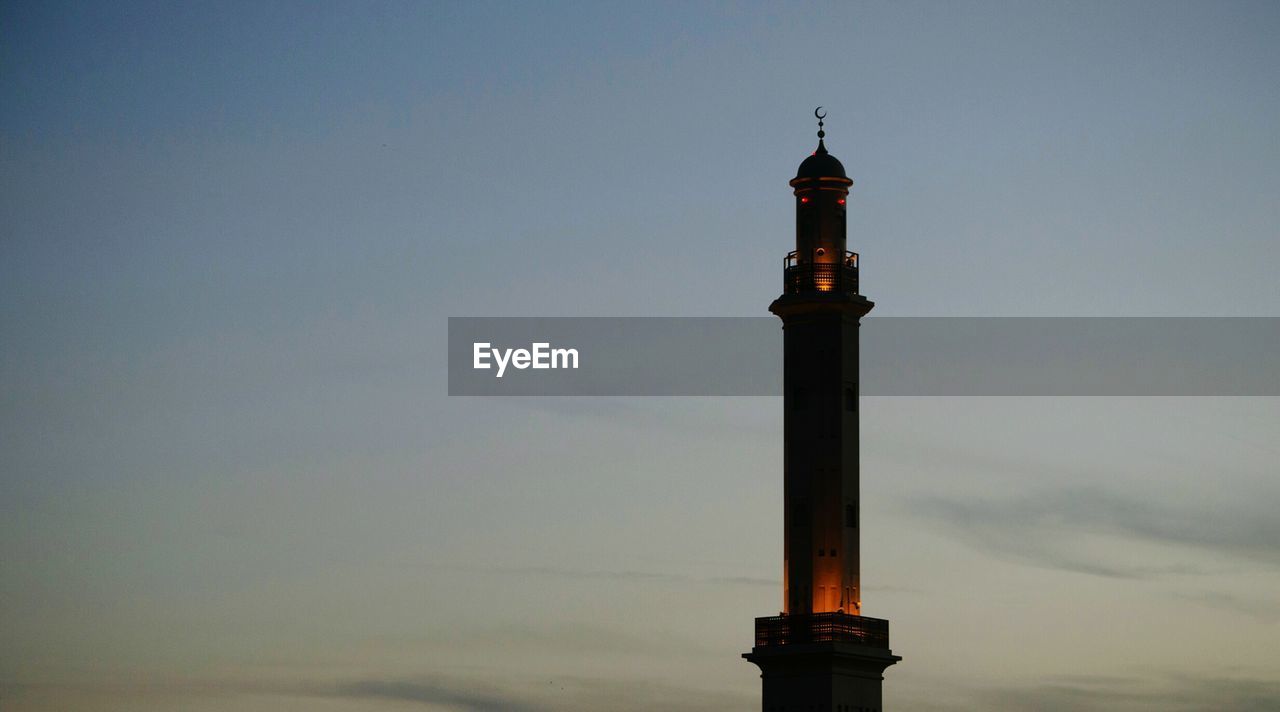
[
  {"x": 629, "y": 575},
  {"x": 578, "y": 637},
  {"x": 636, "y": 695},
  {"x": 471, "y": 697},
  {"x": 563, "y": 694},
  {"x": 1172, "y": 694},
  {"x": 500, "y": 693},
  {"x": 1263, "y": 610},
  {"x": 1035, "y": 527}
]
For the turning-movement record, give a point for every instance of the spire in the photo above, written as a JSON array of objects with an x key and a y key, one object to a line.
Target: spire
[
  {"x": 821, "y": 134},
  {"x": 821, "y": 165}
]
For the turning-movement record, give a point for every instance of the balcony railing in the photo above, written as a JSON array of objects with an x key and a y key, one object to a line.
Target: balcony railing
[
  {"x": 804, "y": 628},
  {"x": 812, "y": 275}
]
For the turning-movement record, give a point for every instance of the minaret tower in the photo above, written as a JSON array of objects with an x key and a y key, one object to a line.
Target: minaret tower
[{"x": 821, "y": 653}]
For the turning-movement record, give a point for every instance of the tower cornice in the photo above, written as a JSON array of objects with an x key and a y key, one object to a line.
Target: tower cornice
[{"x": 789, "y": 305}]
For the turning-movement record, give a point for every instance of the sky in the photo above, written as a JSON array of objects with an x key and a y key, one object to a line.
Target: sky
[{"x": 231, "y": 234}]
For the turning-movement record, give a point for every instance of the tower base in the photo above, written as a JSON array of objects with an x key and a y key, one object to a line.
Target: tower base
[{"x": 801, "y": 673}]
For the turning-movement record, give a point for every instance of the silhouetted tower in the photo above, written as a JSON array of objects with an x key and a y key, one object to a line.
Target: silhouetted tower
[{"x": 821, "y": 653}]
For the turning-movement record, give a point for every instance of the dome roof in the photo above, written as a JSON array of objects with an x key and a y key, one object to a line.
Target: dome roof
[{"x": 821, "y": 165}]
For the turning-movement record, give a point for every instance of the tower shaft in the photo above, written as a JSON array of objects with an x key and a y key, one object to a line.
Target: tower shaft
[{"x": 820, "y": 462}]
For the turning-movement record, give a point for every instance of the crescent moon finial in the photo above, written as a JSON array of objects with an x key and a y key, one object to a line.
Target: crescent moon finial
[{"x": 820, "y": 117}]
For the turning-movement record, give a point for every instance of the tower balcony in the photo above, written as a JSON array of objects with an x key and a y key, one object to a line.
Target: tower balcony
[
  {"x": 814, "y": 275},
  {"x": 803, "y": 628}
]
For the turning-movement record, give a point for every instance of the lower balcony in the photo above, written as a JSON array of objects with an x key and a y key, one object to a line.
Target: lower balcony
[{"x": 805, "y": 628}]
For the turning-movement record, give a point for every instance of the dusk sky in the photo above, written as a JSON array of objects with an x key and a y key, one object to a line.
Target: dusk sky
[{"x": 231, "y": 477}]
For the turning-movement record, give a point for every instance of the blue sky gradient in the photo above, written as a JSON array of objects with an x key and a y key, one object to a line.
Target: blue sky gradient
[{"x": 231, "y": 234}]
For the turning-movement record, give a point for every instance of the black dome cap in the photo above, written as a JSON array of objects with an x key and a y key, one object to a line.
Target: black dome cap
[{"x": 821, "y": 165}]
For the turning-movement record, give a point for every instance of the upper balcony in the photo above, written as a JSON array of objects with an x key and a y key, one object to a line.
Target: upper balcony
[{"x": 814, "y": 275}]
